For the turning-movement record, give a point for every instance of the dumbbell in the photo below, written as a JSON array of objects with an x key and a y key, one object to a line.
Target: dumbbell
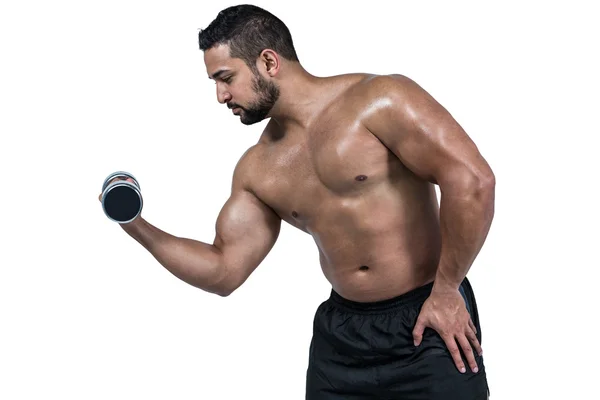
[{"x": 121, "y": 200}]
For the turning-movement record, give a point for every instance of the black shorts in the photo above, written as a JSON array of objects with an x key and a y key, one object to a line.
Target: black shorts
[{"x": 366, "y": 351}]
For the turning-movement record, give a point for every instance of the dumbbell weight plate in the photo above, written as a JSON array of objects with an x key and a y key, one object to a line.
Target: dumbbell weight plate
[{"x": 121, "y": 200}]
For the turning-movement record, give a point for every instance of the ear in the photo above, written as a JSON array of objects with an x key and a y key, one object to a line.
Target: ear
[{"x": 269, "y": 62}]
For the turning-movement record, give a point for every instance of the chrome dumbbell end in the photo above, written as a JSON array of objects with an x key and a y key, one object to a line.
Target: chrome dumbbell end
[{"x": 119, "y": 174}]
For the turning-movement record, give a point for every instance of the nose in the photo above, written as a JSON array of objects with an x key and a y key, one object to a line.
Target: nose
[{"x": 223, "y": 96}]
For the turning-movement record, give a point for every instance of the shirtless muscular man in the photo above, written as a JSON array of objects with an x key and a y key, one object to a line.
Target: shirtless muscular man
[{"x": 351, "y": 160}]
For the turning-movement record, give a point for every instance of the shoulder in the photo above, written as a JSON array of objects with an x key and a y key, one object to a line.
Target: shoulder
[
  {"x": 372, "y": 95},
  {"x": 248, "y": 166},
  {"x": 394, "y": 87},
  {"x": 375, "y": 85},
  {"x": 397, "y": 100},
  {"x": 245, "y": 165}
]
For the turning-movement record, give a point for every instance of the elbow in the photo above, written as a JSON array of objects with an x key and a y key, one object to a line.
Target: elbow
[
  {"x": 482, "y": 189},
  {"x": 474, "y": 192},
  {"x": 226, "y": 290},
  {"x": 488, "y": 184},
  {"x": 231, "y": 284},
  {"x": 488, "y": 180},
  {"x": 483, "y": 192},
  {"x": 482, "y": 183},
  {"x": 476, "y": 189},
  {"x": 226, "y": 285},
  {"x": 221, "y": 290},
  {"x": 479, "y": 179},
  {"x": 477, "y": 185},
  {"x": 222, "y": 281}
]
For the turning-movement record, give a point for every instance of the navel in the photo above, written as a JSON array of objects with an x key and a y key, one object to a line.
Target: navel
[
  {"x": 364, "y": 268},
  {"x": 294, "y": 214},
  {"x": 361, "y": 178}
]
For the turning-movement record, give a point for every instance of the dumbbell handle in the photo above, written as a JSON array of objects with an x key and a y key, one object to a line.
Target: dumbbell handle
[{"x": 116, "y": 174}]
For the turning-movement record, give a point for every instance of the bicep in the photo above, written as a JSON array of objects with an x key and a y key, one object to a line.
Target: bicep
[
  {"x": 425, "y": 136},
  {"x": 246, "y": 230}
]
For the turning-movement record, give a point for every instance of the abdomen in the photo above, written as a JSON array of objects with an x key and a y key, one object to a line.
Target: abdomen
[{"x": 382, "y": 243}]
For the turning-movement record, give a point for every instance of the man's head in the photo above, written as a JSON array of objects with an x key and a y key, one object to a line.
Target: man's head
[{"x": 243, "y": 49}]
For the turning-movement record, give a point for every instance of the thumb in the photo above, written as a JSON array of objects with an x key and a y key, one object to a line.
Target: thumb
[{"x": 418, "y": 331}]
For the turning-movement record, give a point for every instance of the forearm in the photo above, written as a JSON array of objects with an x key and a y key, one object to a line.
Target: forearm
[
  {"x": 466, "y": 215},
  {"x": 196, "y": 263}
]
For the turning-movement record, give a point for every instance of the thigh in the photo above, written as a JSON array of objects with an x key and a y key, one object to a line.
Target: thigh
[
  {"x": 433, "y": 377},
  {"x": 340, "y": 363},
  {"x": 333, "y": 374},
  {"x": 321, "y": 387}
]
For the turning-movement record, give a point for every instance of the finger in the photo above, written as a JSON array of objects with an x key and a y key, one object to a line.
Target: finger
[
  {"x": 472, "y": 325},
  {"x": 474, "y": 342},
  {"x": 468, "y": 351},
  {"x": 455, "y": 353},
  {"x": 118, "y": 178},
  {"x": 418, "y": 331}
]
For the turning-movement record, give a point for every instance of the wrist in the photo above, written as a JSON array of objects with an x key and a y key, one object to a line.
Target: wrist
[
  {"x": 442, "y": 284},
  {"x": 133, "y": 225}
]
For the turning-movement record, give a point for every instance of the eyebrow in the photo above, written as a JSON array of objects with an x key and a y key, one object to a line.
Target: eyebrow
[{"x": 218, "y": 73}]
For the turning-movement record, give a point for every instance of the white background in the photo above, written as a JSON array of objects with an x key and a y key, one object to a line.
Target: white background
[{"x": 87, "y": 88}]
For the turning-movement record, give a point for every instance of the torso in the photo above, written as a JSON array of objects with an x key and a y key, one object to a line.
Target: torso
[{"x": 374, "y": 222}]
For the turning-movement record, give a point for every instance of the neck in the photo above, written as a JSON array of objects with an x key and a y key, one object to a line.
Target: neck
[{"x": 299, "y": 100}]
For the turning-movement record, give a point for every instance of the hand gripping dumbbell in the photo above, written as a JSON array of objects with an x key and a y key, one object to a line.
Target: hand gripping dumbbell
[{"x": 121, "y": 199}]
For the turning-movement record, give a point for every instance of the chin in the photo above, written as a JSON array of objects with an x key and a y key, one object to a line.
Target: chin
[
  {"x": 247, "y": 121},
  {"x": 252, "y": 122}
]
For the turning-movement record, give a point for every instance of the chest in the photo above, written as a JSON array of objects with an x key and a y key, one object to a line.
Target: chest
[{"x": 336, "y": 162}]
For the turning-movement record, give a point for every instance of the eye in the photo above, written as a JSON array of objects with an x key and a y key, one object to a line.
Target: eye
[{"x": 227, "y": 79}]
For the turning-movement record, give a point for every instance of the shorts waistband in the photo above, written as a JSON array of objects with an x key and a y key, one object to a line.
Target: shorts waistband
[{"x": 415, "y": 296}]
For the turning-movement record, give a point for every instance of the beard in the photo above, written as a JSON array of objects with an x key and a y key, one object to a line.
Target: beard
[{"x": 267, "y": 93}]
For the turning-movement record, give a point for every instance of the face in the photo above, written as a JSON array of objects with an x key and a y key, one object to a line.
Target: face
[{"x": 247, "y": 93}]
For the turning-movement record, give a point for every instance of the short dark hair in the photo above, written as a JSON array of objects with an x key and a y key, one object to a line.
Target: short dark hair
[{"x": 248, "y": 30}]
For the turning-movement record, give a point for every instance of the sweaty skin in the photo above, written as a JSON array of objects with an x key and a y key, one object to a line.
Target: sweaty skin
[
  {"x": 351, "y": 160},
  {"x": 374, "y": 222}
]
